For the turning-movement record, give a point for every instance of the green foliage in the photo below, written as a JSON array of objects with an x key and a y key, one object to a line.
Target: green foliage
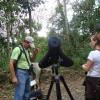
[
  {"x": 85, "y": 22},
  {"x": 58, "y": 21},
  {"x": 41, "y": 43},
  {"x": 86, "y": 16},
  {"x": 35, "y": 25},
  {"x": 80, "y": 56},
  {"x": 4, "y": 55},
  {"x": 32, "y": 4}
]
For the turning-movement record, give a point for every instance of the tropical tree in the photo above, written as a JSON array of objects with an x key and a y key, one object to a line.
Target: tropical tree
[
  {"x": 29, "y": 5},
  {"x": 86, "y": 16}
]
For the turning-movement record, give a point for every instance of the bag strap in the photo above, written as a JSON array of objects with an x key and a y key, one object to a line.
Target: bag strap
[
  {"x": 31, "y": 72},
  {"x": 26, "y": 56}
]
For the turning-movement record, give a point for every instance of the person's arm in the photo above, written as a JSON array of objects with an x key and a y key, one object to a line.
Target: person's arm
[
  {"x": 13, "y": 59},
  {"x": 87, "y": 66},
  {"x": 34, "y": 53},
  {"x": 12, "y": 71}
]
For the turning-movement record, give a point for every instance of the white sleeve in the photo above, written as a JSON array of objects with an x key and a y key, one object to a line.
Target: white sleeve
[{"x": 90, "y": 56}]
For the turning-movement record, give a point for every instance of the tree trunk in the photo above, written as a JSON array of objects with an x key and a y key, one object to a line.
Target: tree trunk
[
  {"x": 58, "y": 2},
  {"x": 30, "y": 20},
  {"x": 7, "y": 29},
  {"x": 66, "y": 19}
]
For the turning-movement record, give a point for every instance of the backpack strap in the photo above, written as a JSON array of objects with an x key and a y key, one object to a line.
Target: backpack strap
[
  {"x": 22, "y": 50},
  {"x": 31, "y": 72},
  {"x": 26, "y": 56},
  {"x": 19, "y": 56}
]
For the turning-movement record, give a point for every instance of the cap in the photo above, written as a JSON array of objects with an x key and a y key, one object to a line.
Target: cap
[{"x": 30, "y": 40}]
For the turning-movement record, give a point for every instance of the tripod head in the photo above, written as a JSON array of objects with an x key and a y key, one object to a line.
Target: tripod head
[
  {"x": 55, "y": 67},
  {"x": 55, "y": 54}
]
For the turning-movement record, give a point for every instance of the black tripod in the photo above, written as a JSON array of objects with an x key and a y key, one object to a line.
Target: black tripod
[{"x": 57, "y": 78}]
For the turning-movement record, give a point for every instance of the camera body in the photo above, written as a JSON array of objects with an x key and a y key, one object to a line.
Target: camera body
[{"x": 35, "y": 93}]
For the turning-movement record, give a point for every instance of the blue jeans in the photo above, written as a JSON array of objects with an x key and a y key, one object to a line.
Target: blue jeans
[{"x": 22, "y": 89}]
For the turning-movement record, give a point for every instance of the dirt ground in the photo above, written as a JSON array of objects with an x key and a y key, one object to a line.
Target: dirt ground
[{"x": 73, "y": 78}]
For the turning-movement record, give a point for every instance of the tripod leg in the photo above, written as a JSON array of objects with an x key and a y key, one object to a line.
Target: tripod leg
[
  {"x": 50, "y": 88},
  {"x": 66, "y": 87},
  {"x": 58, "y": 91}
]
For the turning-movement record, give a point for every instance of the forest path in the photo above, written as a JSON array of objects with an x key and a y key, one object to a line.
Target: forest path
[{"x": 74, "y": 79}]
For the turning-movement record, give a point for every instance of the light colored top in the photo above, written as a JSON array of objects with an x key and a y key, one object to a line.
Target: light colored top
[
  {"x": 95, "y": 57},
  {"x": 22, "y": 63}
]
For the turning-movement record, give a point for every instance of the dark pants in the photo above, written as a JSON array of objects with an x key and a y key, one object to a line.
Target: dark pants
[{"x": 92, "y": 88}]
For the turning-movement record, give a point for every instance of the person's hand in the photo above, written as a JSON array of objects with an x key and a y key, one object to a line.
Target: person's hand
[
  {"x": 85, "y": 67},
  {"x": 36, "y": 50},
  {"x": 15, "y": 80}
]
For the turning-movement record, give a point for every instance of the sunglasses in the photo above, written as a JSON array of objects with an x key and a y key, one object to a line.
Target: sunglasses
[{"x": 26, "y": 41}]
